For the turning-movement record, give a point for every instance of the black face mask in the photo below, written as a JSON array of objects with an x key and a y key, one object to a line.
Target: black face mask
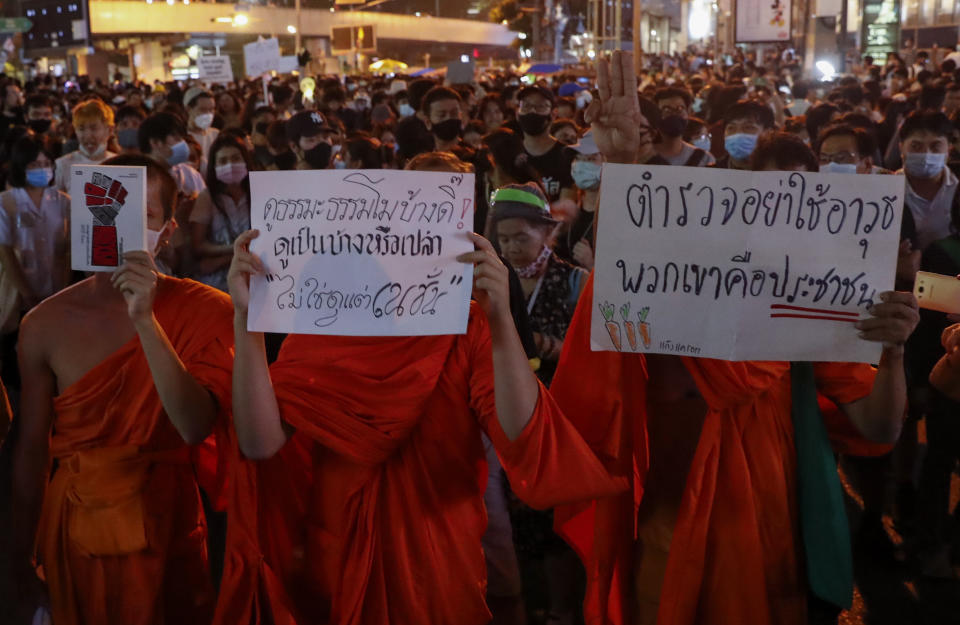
[
  {"x": 261, "y": 128},
  {"x": 318, "y": 157},
  {"x": 286, "y": 161},
  {"x": 447, "y": 130},
  {"x": 263, "y": 155},
  {"x": 533, "y": 124},
  {"x": 39, "y": 126},
  {"x": 673, "y": 125}
]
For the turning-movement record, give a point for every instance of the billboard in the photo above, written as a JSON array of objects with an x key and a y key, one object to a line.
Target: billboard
[
  {"x": 880, "y": 28},
  {"x": 763, "y": 20},
  {"x": 56, "y": 23}
]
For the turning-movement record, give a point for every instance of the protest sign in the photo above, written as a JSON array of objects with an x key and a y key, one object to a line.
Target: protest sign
[
  {"x": 215, "y": 69},
  {"x": 361, "y": 253},
  {"x": 460, "y": 73},
  {"x": 742, "y": 265},
  {"x": 108, "y": 215},
  {"x": 261, "y": 56},
  {"x": 288, "y": 64}
]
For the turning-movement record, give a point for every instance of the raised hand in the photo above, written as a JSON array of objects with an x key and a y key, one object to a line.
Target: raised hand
[
  {"x": 615, "y": 116},
  {"x": 491, "y": 280},
  {"x": 137, "y": 280},
  {"x": 244, "y": 264},
  {"x": 893, "y": 320}
]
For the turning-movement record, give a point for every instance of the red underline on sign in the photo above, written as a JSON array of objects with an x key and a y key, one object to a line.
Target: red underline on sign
[
  {"x": 819, "y": 311},
  {"x": 816, "y": 317}
]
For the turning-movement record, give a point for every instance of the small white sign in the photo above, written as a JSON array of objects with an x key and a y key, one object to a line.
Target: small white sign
[
  {"x": 108, "y": 215},
  {"x": 261, "y": 56},
  {"x": 763, "y": 20},
  {"x": 741, "y": 265},
  {"x": 288, "y": 64},
  {"x": 215, "y": 69},
  {"x": 361, "y": 253}
]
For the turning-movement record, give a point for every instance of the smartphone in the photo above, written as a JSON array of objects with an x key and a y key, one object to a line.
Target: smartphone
[{"x": 937, "y": 292}]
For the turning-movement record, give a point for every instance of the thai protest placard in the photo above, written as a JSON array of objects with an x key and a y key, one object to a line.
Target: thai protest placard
[
  {"x": 361, "y": 253},
  {"x": 108, "y": 215},
  {"x": 261, "y": 56},
  {"x": 215, "y": 69},
  {"x": 740, "y": 265}
]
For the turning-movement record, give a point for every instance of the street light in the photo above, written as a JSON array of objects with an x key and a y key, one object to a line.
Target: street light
[{"x": 292, "y": 29}]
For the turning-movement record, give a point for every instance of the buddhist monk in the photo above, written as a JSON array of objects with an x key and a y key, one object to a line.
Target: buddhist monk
[
  {"x": 122, "y": 374},
  {"x": 359, "y": 496},
  {"x": 712, "y": 531}
]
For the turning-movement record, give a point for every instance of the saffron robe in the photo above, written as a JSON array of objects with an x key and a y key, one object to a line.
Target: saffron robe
[
  {"x": 736, "y": 554},
  {"x": 372, "y": 513},
  {"x": 122, "y": 536}
]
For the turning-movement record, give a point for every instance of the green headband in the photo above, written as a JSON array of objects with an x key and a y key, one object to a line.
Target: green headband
[{"x": 519, "y": 195}]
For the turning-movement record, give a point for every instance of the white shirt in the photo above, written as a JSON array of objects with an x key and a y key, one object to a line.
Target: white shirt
[
  {"x": 932, "y": 217},
  {"x": 205, "y": 138},
  {"x": 41, "y": 239},
  {"x": 65, "y": 162}
]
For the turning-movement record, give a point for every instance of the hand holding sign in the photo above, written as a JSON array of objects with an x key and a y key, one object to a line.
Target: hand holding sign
[
  {"x": 491, "y": 280},
  {"x": 892, "y": 321},
  {"x": 243, "y": 265},
  {"x": 615, "y": 116},
  {"x": 137, "y": 280}
]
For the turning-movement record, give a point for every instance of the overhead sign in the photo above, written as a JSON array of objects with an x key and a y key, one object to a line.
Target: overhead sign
[
  {"x": 15, "y": 24},
  {"x": 742, "y": 265},
  {"x": 361, "y": 253},
  {"x": 261, "y": 57},
  {"x": 880, "y": 27},
  {"x": 215, "y": 69},
  {"x": 763, "y": 20}
]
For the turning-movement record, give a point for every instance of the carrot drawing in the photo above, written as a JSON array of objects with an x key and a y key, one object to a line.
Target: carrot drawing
[
  {"x": 644, "y": 326},
  {"x": 631, "y": 332},
  {"x": 613, "y": 328}
]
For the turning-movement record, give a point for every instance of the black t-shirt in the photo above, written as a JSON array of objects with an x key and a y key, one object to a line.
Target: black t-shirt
[
  {"x": 481, "y": 165},
  {"x": 554, "y": 169}
]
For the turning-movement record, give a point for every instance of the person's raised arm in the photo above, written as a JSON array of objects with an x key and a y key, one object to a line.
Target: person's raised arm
[
  {"x": 515, "y": 387},
  {"x": 879, "y": 415},
  {"x": 256, "y": 416},
  {"x": 31, "y": 458},
  {"x": 945, "y": 376},
  {"x": 615, "y": 116},
  {"x": 191, "y": 408}
]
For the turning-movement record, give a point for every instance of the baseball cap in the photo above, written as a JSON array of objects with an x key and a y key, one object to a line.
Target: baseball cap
[
  {"x": 306, "y": 124},
  {"x": 569, "y": 88},
  {"x": 536, "y": 90}
]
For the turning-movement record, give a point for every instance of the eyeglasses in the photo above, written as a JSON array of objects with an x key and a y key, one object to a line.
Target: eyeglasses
[
  {"x": 844, "y": 158},
  {"x": 542, "y": 109},
  {"x": 673, "y": 110}
]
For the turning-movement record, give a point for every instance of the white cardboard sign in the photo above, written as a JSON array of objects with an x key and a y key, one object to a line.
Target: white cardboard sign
[
  {"x": 261, "y": 56},
  {"x": 763, "y": 20},
  {"x": 739, "y": 265},
  {"x": 215, "y": 69},
  {"x": 108, "y": 214},
  {"x": 361, "y": 253}
]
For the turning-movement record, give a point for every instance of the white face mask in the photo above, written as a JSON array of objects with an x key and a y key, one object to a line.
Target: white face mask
[
  {"x": 203, "y": 120},
  {"x": 153, "y": 240}
]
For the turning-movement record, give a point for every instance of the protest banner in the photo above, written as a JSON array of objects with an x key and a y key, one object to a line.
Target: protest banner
[
  {"x": 261, "y": 56},
  {"x": 361, "y": 253},
  {"x": 742, "y": 265},
  {"x": 215, "y": 69},
  {"x": 108, "y": 215}
]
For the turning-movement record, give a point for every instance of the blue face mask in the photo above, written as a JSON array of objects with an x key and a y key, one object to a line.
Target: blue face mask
[
  {"x": 924, "y": 164},
  {"x": 740, "y": 146},
  {"x": 586, "y": 175},
  {"x": 703, "y": 143},
  {"x": 180, "y": 152},
  {"x": 39, "y": 177},
  {"x": 405, "y": 110},
  {"x": 839, "y": 168}
]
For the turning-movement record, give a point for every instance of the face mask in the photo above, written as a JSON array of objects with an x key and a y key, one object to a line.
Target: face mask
[
  {"x": 203, "y": 120},
  {"x": 263, "y": 155},
  {"x": 673, "y": 125},
  {"x": 94, "y": 156},
  {"x": 39, "y": 126},
  {"x": 584, "y": 98},
  {"x": 533, "y": 124},
  {"x": 447, "y": 130},
  {"x": 839, "y": 168},
  {"x": 179, "y": 153},
  {"x": 703, "y": 143},
  {"x": 405, "y": 110},
  {"x": 231, "y": 173},
  {"x": 740, "y": 146},
  {"x": 127, "y": 138},
  {"x": 586, "y": 175},
  {"x": 697, "y": 105},
  {"x": 153, "y": 240},
  {"x": 39, "y": 177},
  {"x": 924, "y": 164},
  {"x": 339, "y": 164},
  {"x": 318, "y": 157},
  {"x": 149, "y": 105}
]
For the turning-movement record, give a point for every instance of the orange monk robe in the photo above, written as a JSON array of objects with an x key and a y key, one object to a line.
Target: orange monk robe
[
  {"x": 372, "y": 513},
  {"x": 121, "y": 538},
  {"x": 736, "y": 555}
]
